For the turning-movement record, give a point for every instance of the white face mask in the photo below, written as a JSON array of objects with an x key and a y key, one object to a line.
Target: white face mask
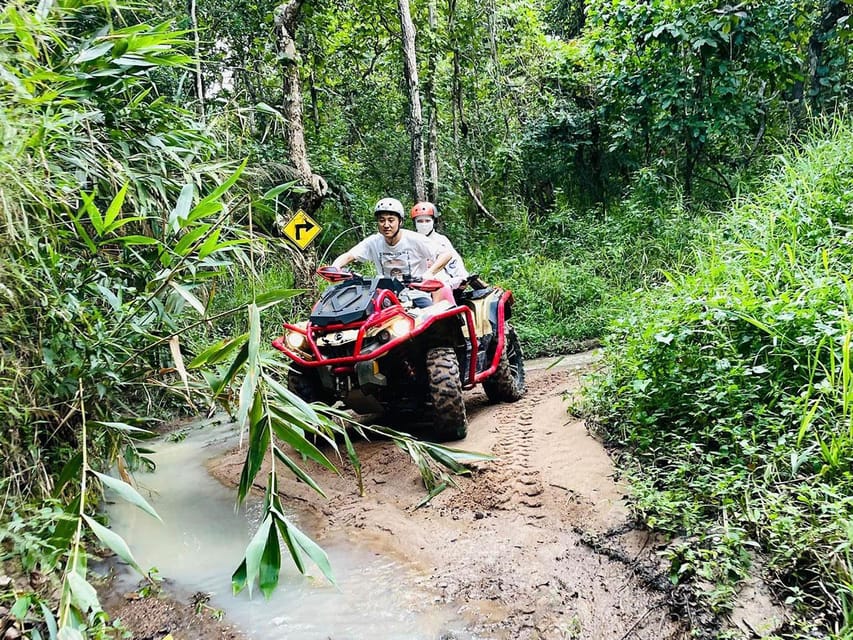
[{"x": 424, "y": 224}]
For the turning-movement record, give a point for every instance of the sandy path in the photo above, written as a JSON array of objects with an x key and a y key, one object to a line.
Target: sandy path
[{"x": 536, "y": 544}]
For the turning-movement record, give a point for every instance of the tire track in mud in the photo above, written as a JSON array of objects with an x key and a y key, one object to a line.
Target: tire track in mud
[{"x": 512, "y": 481}]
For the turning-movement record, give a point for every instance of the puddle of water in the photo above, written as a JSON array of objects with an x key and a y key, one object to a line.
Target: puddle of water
[{"x": 202, "y": 539}]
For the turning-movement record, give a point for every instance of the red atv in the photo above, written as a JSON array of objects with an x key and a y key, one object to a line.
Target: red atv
[{"x": 364, "y": 347}]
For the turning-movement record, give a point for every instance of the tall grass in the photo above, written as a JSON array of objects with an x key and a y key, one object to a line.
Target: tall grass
[{"x": 730, "y": 388}]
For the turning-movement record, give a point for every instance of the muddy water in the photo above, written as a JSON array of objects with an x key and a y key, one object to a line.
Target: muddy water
[{"x": 202, "y": 540}]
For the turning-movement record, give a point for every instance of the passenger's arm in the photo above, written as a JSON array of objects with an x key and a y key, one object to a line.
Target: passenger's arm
[{"x": 440, "y": 262}]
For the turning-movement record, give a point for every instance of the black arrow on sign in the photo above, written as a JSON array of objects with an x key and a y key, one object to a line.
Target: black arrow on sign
[{"x": 299, "y": 228}]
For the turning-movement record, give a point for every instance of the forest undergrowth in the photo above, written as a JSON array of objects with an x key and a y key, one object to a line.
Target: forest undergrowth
[{"x": 729, "y": 390}]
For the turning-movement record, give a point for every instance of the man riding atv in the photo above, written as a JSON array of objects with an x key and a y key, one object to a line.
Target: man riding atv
[
  {"x": 379, "y": 344},
  {"x": 397, "y": 252}
]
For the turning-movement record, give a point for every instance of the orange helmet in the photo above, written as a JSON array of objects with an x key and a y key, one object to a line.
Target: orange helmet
[{"x": 424, "y": 209}]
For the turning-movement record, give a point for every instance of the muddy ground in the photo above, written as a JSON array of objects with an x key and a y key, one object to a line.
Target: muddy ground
[{"x": 537, "y": 543}]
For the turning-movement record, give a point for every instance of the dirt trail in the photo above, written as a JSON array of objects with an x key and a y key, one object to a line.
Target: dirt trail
[{"x": 536, "y": 544}]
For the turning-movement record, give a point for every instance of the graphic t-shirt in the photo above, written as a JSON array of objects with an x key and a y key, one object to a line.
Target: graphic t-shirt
[{"x": 411, "y": 256}]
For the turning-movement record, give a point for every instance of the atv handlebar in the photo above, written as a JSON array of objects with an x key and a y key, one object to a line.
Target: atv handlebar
[{"x": 336, "y": 274}]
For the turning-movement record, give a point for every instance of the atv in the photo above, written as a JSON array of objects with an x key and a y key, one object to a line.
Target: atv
[{"x": 365, "y": 347}]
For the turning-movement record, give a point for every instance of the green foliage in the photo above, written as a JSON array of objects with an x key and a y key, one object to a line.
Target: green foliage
[
  {"x": 569, "y": 271},
  {"x": 731, "y": 384},
  {"x": 112, "y": 223}
]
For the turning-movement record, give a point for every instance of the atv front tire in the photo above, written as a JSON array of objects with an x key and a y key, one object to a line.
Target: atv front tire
[
  {"x": 306, "y": 384},
  {"x": 506, "y": 384},
  {"x": 445, "y": 394}
]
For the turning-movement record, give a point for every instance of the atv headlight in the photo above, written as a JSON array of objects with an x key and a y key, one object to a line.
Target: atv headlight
[
  {"x": 400, "y": 327},
  {"x": 295, "y": 340}
]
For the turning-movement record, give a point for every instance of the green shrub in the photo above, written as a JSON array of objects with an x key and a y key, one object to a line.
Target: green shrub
[{"x": 731, "y": 384}]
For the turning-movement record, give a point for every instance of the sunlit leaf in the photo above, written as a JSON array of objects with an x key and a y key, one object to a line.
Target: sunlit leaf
[
  {"x": 182, "y": 207},
  {"x": 185, "y": 244},
  {"x": 255, "y": 551},
  {"x": 83, "y": 594},
  {"x": 218, "y": 351},
  {"x": 92, "y": 53},
  {"x": 278, "y": 190},
  {"x": 115, "y": 207},
  {"x": 127, "y": 493}
]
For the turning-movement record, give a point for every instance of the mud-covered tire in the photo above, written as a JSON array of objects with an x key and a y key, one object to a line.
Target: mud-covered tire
[
  {"x": 445, "y": 394},
  {"x": 506, "y": 384}
]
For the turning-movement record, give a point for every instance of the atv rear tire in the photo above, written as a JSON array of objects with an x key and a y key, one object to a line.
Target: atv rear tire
[
  {"x": 506, "y": 384},
  {"x": 445, "y": 393}
]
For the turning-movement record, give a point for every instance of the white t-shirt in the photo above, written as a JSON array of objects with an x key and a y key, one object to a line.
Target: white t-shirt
[
  {"x": 454, "y": 272},
  {"x": 411, "y": 256}
]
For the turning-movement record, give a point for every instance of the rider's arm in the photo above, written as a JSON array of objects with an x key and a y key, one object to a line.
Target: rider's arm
[
  {"x": 440, "y": 261},
  {"x": 343, "y": 260}
]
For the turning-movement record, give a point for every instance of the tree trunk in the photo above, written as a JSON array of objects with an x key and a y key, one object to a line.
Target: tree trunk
[
  {"x": 414, "y": 121},
  {"x": 432, "y": 127},
  {"x": 286, "y": 22}
]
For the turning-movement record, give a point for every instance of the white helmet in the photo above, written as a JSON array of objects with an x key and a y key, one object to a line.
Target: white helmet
[{"x": 389, "y": 205}]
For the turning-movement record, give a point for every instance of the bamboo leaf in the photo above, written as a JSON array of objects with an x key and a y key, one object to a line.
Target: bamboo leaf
[
  {"x": 275, "y": 296},
  {"x": 175, "y": 348},
  {"x": 295, "y": 553},
  {"x": 255, "y": 550},
  {"x": 236, "y": 365},
  {"x": 221, "y": 189},
  {"x": 49, "y": 620},
  {"x": 298, "y": 471},
  {"x": 118, "y": 224},
  {"x": 115, "y": 207},
  {"x": 187, "y": 295},
  {"x": 209, "y": 245},
  {"x": 92, "y": 53},
  {"x": 182, "y": 207},
  {"x": 259, "y": 440},
  {"x": 278, "y": 190},
  {"x": 113, "y": 541},
  {"x": 185, "y": 244},
  {"x": 69, "y": 633},
  {"x": 136, "y": 240},
  {"x": 313, "y": 550},
  {"x": 270, "y": 564},
  {"x": 288, "y": 396},
  {"x": 95, "y": 217},
  {"x": 301, "y": 444},
  {"x": 127, "y": 493},
  {"x": 83, "y": 594},
  {"x": 217, "y": 351},
  {"x": 238, "y": 578},
  {"x": 69, "y": 471}
]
